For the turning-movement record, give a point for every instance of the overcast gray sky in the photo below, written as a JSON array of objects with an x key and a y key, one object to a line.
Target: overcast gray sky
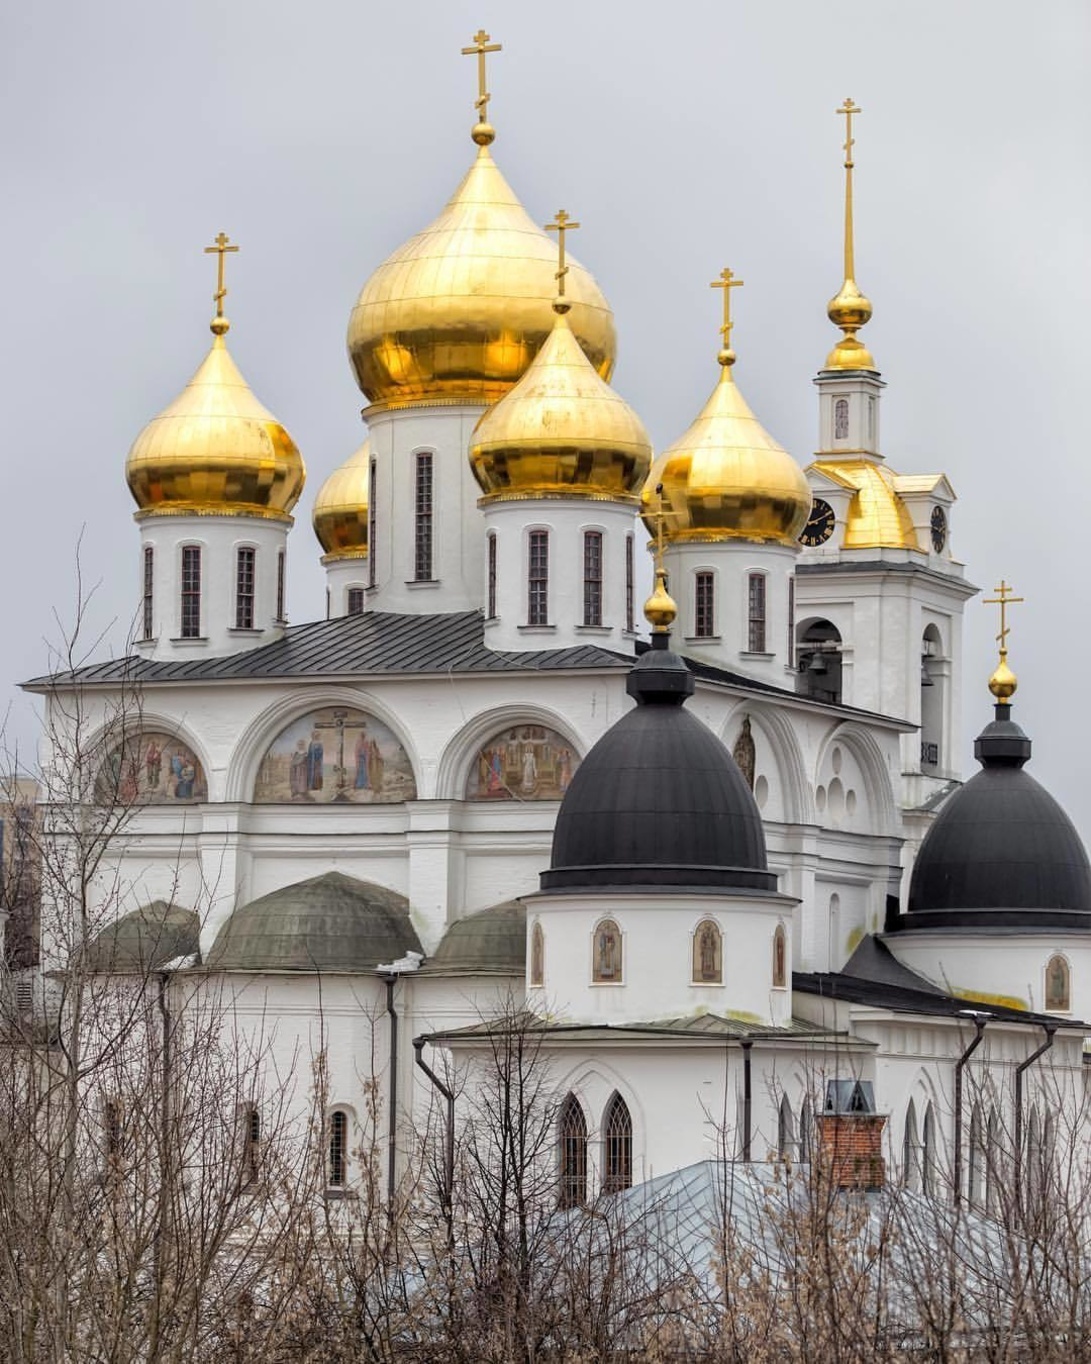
[{"x": 684, "y": 137}]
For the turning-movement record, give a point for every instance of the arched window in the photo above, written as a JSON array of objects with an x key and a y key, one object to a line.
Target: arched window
[
  {"x": 755, "y": 603},
  {"x": 933, "y": 700},
  {"x": 780, "y": 958},
  {"x": 338, "y": 1153},
  {"x": 993, "y": 1170},
  {"x": 818, "y": 660},
  {"x": 592, "y": 577},
  {"x": 841, "y": 419},
  {"x": 245, "y": 571},
  {"x": 191, "y": 592},
  {"x": 976, "y": 1163},
  {"x": 704, "y": 605},
  {"x": 786, "y": 1130},
  {"x": 911, "y": 1150},
  {"x": 149, "y": 593},
  {"x": 606, "y": 965},
  {"x": 617, "y": 1141},
  {"x": 490, "y": 545},
  {"x": 708, "y": 961},
  {"x": 537, "y": 955},
  {"x": 806, "y": 1132},
  {"x": 630, "y": 576},
  {"x": 929, "y": 1153},
  {"x": 538, "y": 577},
  {"x": 250, "y": 1140},
  {"x": 1058, "y": 985},
  {"x": 573, "y": 1154},
  {"x": 422, "y": 521}
]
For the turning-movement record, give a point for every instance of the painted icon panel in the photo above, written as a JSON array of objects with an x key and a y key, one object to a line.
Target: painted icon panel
[
  {"x": 522, "y": 762},
  {"x": 335, "y": 755},
  {"x": 151, "y": 767}
]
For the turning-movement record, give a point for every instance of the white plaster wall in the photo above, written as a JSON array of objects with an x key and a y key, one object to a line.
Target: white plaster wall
[{"x": 343, "y": 573}]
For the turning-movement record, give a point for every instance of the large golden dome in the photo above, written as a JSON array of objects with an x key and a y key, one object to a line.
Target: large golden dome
[
  {"x": 340, "y": 516},
  {"x": 562, "y": 431},
  {"x": 458, "y": 313},
  {"x": 727, "y": 478},
  {"x": 215, "y": 450}
]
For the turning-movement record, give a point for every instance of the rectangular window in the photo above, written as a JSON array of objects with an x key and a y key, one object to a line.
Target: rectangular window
[
  {"x": 422, "y": 562},
  {"x": 244, "y": 588},
  {"x": 280, "y": 585},
  {"x": 149, "y": 591},
  {"x": 371, "y": 517},
  {"x": 791, "y": 650},
  {"x": 491, "y": 555},
  {"x": 250, "y": 1138},
  {"x": 191, "y": 592},
  {"x": 630, "y": 618},
  {"x": 756, "y": 613},
  {"x": 538, "y": 578},
  {"x": 355, "y": 601},
  {"x": 704, "y": 615},
  {"x": 592, "y": 577}
]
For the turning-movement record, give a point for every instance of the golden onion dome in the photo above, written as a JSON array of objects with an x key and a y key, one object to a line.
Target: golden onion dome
[
  {"x": 727, "y": 478},
  {"x": 215, "y": 450},
  {"x": 458, "y": 313},
  {"x": 340, "y": 516},
  {"x": 562, "y": 431}
]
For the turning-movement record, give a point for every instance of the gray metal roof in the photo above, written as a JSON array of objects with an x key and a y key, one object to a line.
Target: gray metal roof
[
  {"x": 696, "y": 1027},
  {"x": 492, "y": 941},
  {"x": 145, "y": 939}
]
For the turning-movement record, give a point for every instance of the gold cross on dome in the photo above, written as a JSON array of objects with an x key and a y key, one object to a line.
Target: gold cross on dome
[
  {"x": 849, "y": 109},
  {"x": 1003, "y": 599},
  {"x": 220, "y": 248},
  {"x": 727, "y": 282},
  {"x": 561, "y": 224},
  {"x": 483, "y": 44}
]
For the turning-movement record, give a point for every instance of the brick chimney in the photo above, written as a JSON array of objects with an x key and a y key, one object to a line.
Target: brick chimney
[{"x": 850, "y": 1149}]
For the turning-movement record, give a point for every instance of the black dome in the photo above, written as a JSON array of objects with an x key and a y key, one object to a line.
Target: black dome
[
  {"x": 658, "y": 801},
  {"x": 1002, "y": 853}
]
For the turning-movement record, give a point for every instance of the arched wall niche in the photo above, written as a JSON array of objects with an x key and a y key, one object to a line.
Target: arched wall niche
[
  {"x": 777, "y": 757},
  {"x": 267, "y": 728},
  {"x": 878, "y": 789},
  {"x": 460, "y": 761}
]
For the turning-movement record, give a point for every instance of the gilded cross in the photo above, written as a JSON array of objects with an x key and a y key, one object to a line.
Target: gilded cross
[
  {"x": 1003, "y": 599},
  {"x": 220, "y": 247},
  {"x": 727, "y": 282},
  {"x": 659, "y": 518},
  {"x": 561, "y": 224},
  {"x": 849, "y": 109},
  {"x": 482, "y": 45}
]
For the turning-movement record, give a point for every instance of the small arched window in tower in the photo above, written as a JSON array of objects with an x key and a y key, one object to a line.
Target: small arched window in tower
[
  {"x": 592, "y": 577},
  {"x": 929, "y": 1154},
  {"x": 841, "y": 419},
  {"x": 573, "y": 1154},
  {"x": 818, "y": 660},
  {"x": 537, "y": 955},
  {"x": 490, "y": 560},
  {"x": 617, "y": 1154},
  {"x": 1058, "y": 985},
  {"x": 630, "y": 586},
  {"x": 806, "y": 1132},
  {"x": 372, "y": 516},
  {"x": 911, "y": 1150},
  {"x": 339, "y": 1149},
  {"x": 708, "y": 960},
  {"x": 786, "y": 1130},
  {"x": 422, "y": 521},
  {"x": 933, "y": 700},
  {"x": 755, "y": 597},
  {"x": 704, "y": 605},
  {"x": 606, "y": 966},
  {"x": 538, "y": 577},
  {"x": 191, "y": 592},
  {"x": 245, "y": 566},
  {"x": 149, "y": 593},
  {"x": 780, "y": 958}
]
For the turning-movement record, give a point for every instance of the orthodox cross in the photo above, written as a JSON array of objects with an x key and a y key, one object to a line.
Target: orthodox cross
[
  {"x": 561, "y": 224},
  {"x": 482, "y": 45},
  {"x": 1003, "y": 599},
  {"x": 727, "y": 282},
  {"x": 338, "y": 725},
  {"x": 220, "y": 248},
  {"x": 659, "y": 518},
  {"x": 849, "y": 109}
]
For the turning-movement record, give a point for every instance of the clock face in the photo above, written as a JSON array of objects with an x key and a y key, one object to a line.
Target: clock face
[
  {"x": 820, "y": 524},
  {"x": 939, "y": 529}
]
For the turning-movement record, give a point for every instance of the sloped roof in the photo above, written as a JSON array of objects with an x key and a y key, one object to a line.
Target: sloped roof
[{"x": 145, "y": 939}]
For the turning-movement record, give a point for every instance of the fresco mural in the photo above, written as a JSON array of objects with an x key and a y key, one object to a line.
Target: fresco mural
[
  {"x": 151, "y": 767},
  {"x": 523, "y": 762},
  {"x": 335, "y": 755}
]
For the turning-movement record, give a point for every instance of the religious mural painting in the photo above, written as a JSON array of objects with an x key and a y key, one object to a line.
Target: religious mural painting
[
  {"x": 1057, "y": 986},
  {"x": 744, "y": 752},
  {"x": 523, "y": 762},
  {"x": 708, "y": 962},
  {"x": 335, "y": 755},
  {"x": 537, "y": 955},
  {"x": 780, "y": 958},
  {"x": 150, "y": 767},
  {"x": 606, "y": 963}
]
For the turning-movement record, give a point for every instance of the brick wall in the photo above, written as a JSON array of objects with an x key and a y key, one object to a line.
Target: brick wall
[{"x": 850, "y": 1147}]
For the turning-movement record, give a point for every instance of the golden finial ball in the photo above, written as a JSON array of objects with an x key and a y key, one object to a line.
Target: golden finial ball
[
  {"x": 561, "y": 305},
  {"x": 1003, "y": 683},
  {"x": 726, "y": 357},
  {"x": 660, "y": 609},
  {"x": 219, "y": 326},
  {"x": 483, "y": 134}
]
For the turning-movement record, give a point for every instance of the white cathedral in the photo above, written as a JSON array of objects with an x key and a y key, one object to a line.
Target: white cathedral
[{"x": 725, "y": 871}]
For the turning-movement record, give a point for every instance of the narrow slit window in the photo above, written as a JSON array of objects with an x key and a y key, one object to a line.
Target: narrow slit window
[
  {"x": 491, "y": 556},
  {"x": 704, "y": 602},
  {"x": 251, "y": 1144},
  {"x": 756, "y": 613},
  {"x": 592, "y": 577},
  {"x": 149, "y": 592},
  {"x": 371, "y": 524},
  {"x": 355, "y": 601},
  {"x": 280, "y": 585},
  {"x": 422, "y": 563},
  {"x": 339, "y": 1127},
  {"x": 244, "y": 588},
  {"x": 191, "y": 592},
  {"x": 630, "y": 569},
  {"x": 538, "y": 578},
  {"x": 617, "y": 1162}
]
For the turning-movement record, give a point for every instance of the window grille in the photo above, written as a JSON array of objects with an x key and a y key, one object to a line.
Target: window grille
[
  {"x": 422, "y": 562},
  {"x": 339, "y": 1125},
  {"x": 244, "y": 588},
  {"x": 592, "y": 577},
  {"x": 538, "y": 578},
  {"x": 371, "y": 524},
  {"x": 756, "y": 600},
  {"x": 573, "y": 1143},
  {"x": 191, "y": 592},
  {"x": 705, "y": 606},
  {"x": 630, "y": 619},
  {"x": 491, "y": 613},
  {"x": 617, "y": 1129}
]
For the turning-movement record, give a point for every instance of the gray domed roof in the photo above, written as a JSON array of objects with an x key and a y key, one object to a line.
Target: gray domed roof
[
  {"x": 1002, "y": 852},
  {"x": 145, "y": 939},
  {"x": 659, "y": 801},
  {"x": 492, "y": 940},
  {"x": 332, "y": 922}
]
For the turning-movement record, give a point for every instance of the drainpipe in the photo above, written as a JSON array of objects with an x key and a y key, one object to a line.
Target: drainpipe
[
  {"x": 747, "y": 1097},
  {"x": 392, "y": 1137},
  {"x": 448, "y": 1094},
  {"x": 1050, "y": 1029},
  {"x": 979, "y": 1023}
]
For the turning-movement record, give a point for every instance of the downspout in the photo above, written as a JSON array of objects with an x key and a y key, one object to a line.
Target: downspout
[
  {"x": 979, "y": 1023},
  {"x": 1050, "y": 1029},
  {"x": 747, "y": 1097},
  {"x": 448, "y": 1094},
  {"x": 392, "y": 1138}
]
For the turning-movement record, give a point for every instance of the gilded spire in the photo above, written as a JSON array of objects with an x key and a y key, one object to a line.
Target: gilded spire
[
  {"x": 1003, "y": 682},
  {"x": 660, "y": 609},
  {"x": 220, "y": 248},
  {"x": 561, "y": 224},
  {"x": 849, "y": 309},
  {"x": 483, "y": 132},
  {"x": 726, "y": 282}
]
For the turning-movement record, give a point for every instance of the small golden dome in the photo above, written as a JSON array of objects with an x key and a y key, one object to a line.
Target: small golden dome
[
  {"x": 1003, "y": 682},
  {"x": 727, "y": 478},
  {"x": 660, "y": 610},
  {"x": 562, "y": 431},
  {"x": 340, "y": 515},
  {"x": 215, "y": 450},
  {"x": 849, "y": 310},
  {"x": 459, "y": 311}
]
